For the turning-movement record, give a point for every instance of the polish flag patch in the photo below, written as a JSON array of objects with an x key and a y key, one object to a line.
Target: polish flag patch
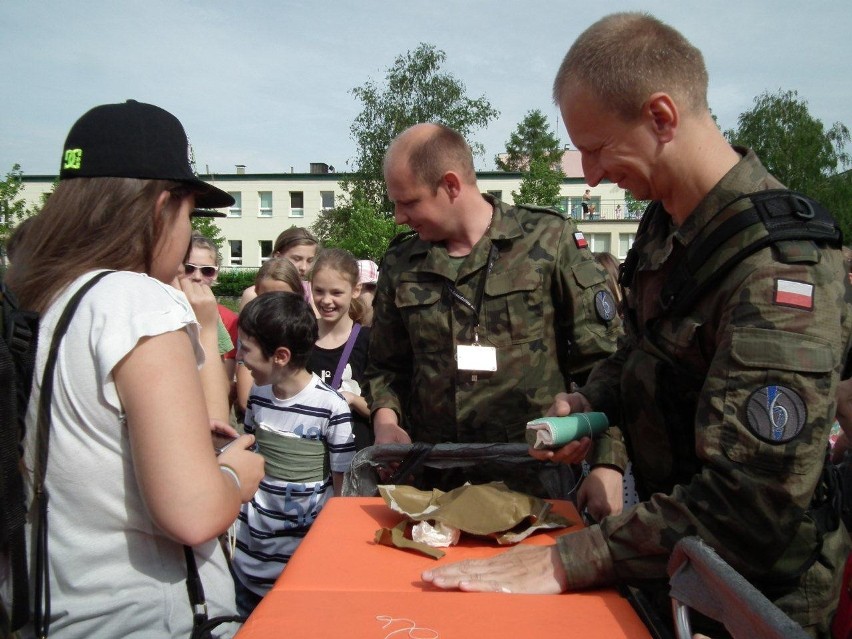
[
  {"x": 580, "y": 240},
  {"x": 795, "y": 294}
]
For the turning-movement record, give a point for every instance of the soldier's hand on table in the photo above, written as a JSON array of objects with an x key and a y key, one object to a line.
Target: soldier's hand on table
[
  {"x": 524, "y": 569},
  {"x": 601, "y": 493}
]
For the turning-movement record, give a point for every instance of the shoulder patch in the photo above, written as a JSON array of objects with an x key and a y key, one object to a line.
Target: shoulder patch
[
  {"x": 605, "y": 306},
  {"x": 580, "y": 240},
  {"x": 776, "y": 414}
]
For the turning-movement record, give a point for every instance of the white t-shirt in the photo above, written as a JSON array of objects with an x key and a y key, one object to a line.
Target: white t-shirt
[{"x": 113, "y": 573}]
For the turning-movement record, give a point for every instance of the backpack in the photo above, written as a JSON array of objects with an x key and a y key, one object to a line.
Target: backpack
[{"x": 18, "y": 343}]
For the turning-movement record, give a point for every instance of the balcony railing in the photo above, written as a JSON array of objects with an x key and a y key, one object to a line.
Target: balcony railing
[{"x": 603, "y": 211}]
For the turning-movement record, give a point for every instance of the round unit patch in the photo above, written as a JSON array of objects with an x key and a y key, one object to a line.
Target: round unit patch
[
  {"x": 776, "y": 414},
  {"x": 605, "y": 305}
]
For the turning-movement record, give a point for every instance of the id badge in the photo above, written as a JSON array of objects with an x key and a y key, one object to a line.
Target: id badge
[{"x": 476, "y": 359}]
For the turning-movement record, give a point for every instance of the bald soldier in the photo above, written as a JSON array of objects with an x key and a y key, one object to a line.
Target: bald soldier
[
  {"x": 484, "y": 312},
  {"x": 736, "y": 325}
]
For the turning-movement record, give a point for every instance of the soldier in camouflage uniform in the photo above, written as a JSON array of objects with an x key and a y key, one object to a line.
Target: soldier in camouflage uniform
[
  {"x": 726, "y": 404},
  {"x": 518, "y": 281}
]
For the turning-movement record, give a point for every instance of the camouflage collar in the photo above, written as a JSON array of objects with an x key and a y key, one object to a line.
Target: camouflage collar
[{"x": 746, "y": 176}]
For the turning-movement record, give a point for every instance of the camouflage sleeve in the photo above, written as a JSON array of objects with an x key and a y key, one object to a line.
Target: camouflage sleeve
[
  {"x": 388, "y": 371},
  {"x": 761, "y": 426},
  {"x": 586, "y": 312},
  {"x": 603, "y": 390}
]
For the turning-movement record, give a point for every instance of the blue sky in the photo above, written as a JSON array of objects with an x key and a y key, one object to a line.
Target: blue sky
[{"x": 267, "y": 84}]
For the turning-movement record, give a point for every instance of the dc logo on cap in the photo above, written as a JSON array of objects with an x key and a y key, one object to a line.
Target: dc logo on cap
[{"x": 73, "y": 158}]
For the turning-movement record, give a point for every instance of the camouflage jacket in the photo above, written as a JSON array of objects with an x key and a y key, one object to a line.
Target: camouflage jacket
[
  {"x": 538, "y": 311},
  {"x": 725, "y": 409}
]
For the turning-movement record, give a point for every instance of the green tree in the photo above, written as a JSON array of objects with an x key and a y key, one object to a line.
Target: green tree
[
  {"x": 798, "y": 149},
  {"x": 12, "y": 208},
  {"x": 540, "y": 184},
  {"x": 357, "y": 228},
  {"x": 532, "y": 139},
  {"x": 533, "y": 149},
  {"x": 635, "y": 208},
  {"x": 836, "y": 194},
  {"x": 415, "y": 89},
  {"x": 793, "y": 145},
  {"x": 208, "y": 228}
]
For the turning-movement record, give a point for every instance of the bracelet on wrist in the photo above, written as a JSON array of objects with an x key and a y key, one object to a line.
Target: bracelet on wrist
[{"x": 230, "y": 471}]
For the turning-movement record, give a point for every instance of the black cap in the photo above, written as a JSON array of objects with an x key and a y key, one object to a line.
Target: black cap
[{"x": 134, "y": 140}]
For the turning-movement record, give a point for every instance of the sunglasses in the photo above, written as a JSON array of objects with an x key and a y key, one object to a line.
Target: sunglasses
[{"x": 206, "y": 271}]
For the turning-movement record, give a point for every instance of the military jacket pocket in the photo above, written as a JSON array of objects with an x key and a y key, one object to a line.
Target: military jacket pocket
[
  {"x": 427, "y": 322},
  {"x": 514, "y": 310},
  {"x": 794, "y": 368}
]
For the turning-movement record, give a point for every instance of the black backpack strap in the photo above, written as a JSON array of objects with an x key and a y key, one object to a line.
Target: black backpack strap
[
  {"x": 17, "y": 359},
  {"x": 41, "y": 614},
  {"x": 774, "y": 215}
]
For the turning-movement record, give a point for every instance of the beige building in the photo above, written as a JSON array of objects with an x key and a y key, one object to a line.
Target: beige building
[{"x": 268, "y": 203}]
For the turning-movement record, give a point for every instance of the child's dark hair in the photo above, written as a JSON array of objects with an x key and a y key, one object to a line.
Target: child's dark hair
[
  {"x": 343, "y": 262},
  {"x": 281, "y": 319}
]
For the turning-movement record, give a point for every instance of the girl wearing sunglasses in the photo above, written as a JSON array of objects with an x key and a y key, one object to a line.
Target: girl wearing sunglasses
[{"x": 202, "y": 266}]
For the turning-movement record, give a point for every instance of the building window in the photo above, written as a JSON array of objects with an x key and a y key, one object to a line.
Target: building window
[
  {"x": 563, "y": 204},
  {"x": 235, "y": 249},
  {"x": 625, "y": 241},
  {"x": 265, "y": 198},
  {"x": 327, "y": 200},
  {"x": 598, "y": 242},
  {"x": 265, "y": 250},
  {"x": 237, "y": 209},
  {"x": 497, "y": 194},
  {"x": 297, "y": 204}
]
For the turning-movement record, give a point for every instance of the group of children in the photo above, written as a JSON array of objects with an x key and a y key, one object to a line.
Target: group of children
[{"x": 301, "y": 350}]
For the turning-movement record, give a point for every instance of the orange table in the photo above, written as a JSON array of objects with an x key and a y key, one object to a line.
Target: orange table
[{"x": 340, "y": 583}]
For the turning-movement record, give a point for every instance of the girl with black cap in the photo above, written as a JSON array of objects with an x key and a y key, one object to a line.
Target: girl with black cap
[{"x": 131, "y": 474}]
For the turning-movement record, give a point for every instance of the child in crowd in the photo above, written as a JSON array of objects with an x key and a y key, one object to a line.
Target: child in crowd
[
  {"x": 202, "y": 265},
  {"x": 340, "y": 356},
  {"x": 276, "y": 274},
  {"x": 303, "y": 430},
  {"x": 368, "y": 277},
  {"x": 299, "y": 246}
]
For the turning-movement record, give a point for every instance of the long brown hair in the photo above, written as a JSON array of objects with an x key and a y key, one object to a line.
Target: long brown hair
[{"x": 87, "y": 224}]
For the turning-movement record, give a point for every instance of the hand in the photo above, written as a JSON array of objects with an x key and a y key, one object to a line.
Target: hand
[
  {"x": 223, "y": 428},
  {"x": 249, "y": 466},
  {"x": 386, "y": 428},
  {"x": 573, "y": 452},
  {"x": 534, "y": 570},
  {"x": 601, "y": 493},
  {"x": 201, "y": 299}
]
